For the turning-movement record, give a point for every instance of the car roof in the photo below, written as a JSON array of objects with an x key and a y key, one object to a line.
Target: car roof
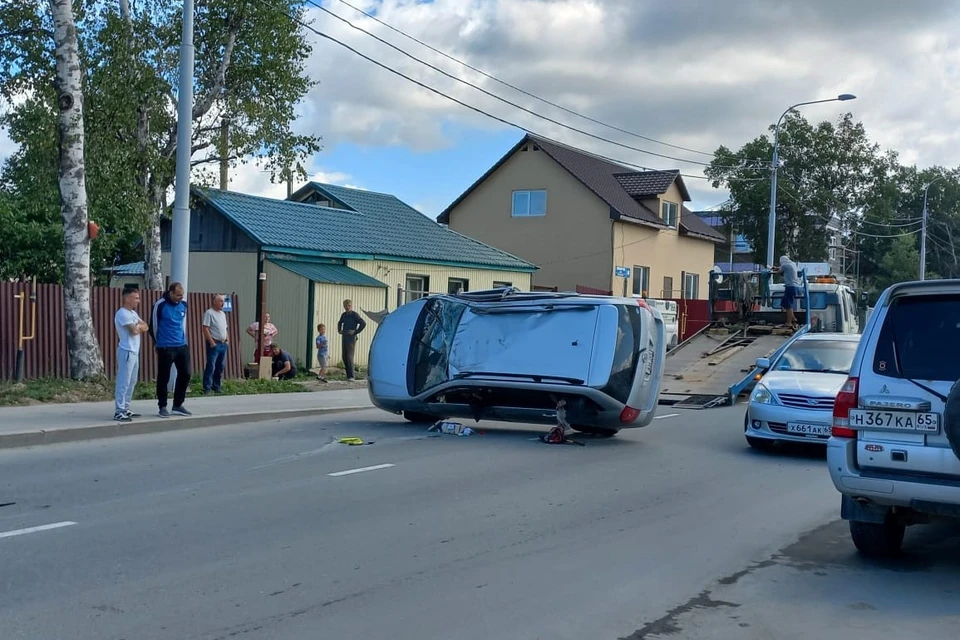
[
  {"x": 506, "y": 296},
  {"x": 841, "y": 337}
]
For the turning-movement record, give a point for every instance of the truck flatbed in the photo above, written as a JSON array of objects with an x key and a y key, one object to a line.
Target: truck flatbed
[{"x": 706, "y": 370}]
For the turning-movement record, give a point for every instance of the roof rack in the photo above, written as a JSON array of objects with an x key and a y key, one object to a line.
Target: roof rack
[{"x": 511, "y": 293}]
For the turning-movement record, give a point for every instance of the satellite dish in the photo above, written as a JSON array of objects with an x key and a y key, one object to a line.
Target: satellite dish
[{"x": 717, "y": 274}]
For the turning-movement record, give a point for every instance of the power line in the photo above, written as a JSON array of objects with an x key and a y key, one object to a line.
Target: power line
[
  {"x": 470, "y": 106},
  {"x": 502, "y": 99},
  {"x": 523, "y": 91},
  {"x": 897, "y": 235}
]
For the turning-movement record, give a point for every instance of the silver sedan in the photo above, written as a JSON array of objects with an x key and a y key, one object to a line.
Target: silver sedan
[{"x": 793, "y": 401}]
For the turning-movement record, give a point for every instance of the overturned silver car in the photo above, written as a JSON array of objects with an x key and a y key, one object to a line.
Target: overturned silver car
[{"x": 515, "y": 356}]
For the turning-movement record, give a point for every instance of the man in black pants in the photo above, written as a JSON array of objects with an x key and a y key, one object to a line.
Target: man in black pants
[
  {"x": 168, "y": 328},
  {"x": 349, "y": 326}
]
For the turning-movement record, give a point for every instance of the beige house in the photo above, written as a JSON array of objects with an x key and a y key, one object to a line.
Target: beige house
[
  {"x": 321, "y": 246},
  {"x": 582, "y": 220}
]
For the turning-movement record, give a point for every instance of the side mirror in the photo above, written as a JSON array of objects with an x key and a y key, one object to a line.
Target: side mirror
[{"x": 763, "y": 363}]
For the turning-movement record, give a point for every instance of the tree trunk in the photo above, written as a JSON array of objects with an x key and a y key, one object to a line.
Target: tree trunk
[
  {"x": 86, "y": 360},
  {"x": 151, "y": 239}
]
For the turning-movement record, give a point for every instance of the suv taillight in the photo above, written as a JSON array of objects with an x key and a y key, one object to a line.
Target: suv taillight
[{"x": 847, "y": 399}]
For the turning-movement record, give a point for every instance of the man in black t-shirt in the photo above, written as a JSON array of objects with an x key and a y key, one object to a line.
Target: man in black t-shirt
[
  {"x": 283, "y": 367},
  {"x": 349, "y": 326}
]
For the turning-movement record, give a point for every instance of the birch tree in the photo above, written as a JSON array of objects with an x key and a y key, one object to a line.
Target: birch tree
[{"x": 85, "y": 358}]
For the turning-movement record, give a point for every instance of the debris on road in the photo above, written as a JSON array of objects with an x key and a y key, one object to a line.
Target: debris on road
[
  {"x": 352, "y": 441},
  {"x": 558, "y": 434},
  {"x": 452, "y": 428}
]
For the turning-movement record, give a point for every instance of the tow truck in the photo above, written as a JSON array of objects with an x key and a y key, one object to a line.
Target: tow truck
[{"x": 717, "y": 364}]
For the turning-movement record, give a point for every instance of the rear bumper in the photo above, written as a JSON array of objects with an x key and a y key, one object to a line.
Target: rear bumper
[{"x": 926, "y": 495}]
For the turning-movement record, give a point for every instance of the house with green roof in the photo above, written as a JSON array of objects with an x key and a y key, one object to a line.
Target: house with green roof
[{"x": 325, "y": 244}]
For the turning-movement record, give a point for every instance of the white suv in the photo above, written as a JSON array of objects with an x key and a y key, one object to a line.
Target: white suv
[{"x": 894, "y": 452}]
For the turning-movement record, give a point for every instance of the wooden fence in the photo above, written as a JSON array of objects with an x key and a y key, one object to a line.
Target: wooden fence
[{"x": 46, "y": 356}]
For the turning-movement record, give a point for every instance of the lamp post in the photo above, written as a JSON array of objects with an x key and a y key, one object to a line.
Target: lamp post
[
  {"x": 923, "y": 231},
  {"x": 771, "y": 231},
  {"x": 180, "y": 231}
]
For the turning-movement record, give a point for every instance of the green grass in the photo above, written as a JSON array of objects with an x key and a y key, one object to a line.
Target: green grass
[{"x": 57, "y": 390}]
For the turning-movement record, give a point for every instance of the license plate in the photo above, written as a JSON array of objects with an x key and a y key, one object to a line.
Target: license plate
[
  {"x": 808, "y": 429},
  {"x": 927, "y": 422}
]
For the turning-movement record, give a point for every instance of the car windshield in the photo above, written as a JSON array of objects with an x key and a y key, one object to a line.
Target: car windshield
[
  {"x": 829, "y": 356},
  {"x": 920, "y": 339},
  {"x": 432, "y": 340}
]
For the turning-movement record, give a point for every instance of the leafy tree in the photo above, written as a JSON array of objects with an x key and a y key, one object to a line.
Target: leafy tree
[
  {"x": 250, "y": 70},
  {"x": 826, "y": 173}
]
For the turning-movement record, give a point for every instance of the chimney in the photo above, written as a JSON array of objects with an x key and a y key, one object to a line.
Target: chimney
[
  {"x": 289, "y": 184},
  {"x": 224, "y": 152}
]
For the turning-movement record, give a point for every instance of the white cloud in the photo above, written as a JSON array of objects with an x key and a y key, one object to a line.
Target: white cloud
[
  {"x": 252, "y": 179},
  {"x": 697, "y": 74}
]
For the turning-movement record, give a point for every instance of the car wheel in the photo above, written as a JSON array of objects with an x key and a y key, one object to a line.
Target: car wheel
[
  {"x": 878, "y": 540},
  {"x": 413, "y": 416},
  {"x": 761, "y": 444},
  {"x": 596, "y": 431}
]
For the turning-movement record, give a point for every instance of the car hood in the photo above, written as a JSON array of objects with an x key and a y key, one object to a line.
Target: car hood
[{"x": 805, "y": 383}]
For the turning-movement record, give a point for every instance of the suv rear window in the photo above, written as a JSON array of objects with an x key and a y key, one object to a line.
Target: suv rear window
[
  {"x": 920, "y": 339},
  {"x": 625, "y": 353},
  {"x": 432, "y": 340}
]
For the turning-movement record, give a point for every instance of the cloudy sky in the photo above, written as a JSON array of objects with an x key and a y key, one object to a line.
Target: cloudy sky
[{"x": 691, "y": 73}]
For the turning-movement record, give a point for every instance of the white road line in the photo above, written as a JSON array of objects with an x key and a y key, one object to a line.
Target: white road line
[
  {"x": 669, "y": 415},
  {"x": 45, "y": 527},
  {"x": 360, "y": 470}
]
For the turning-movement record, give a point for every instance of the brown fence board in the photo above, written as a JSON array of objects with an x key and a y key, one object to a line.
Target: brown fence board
[{"x": 46, "y": 355}]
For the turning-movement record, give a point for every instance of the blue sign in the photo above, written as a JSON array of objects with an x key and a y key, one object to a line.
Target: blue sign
[
  {"x": 227, "y": 304},
  {"x": 623, "y": 272}
]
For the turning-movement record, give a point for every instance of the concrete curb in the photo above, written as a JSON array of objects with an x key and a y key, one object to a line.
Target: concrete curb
[{"x": 146, "y": 425}]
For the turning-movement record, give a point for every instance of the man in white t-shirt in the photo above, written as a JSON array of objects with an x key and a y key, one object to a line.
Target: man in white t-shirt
[
  {"x": 129, "y": 326},
  {"x": 217, "y": 339}
]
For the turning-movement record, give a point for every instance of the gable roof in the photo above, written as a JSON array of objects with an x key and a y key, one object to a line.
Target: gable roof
[
  {"x": 617, "y": 185},
  {"x": 373, "y": 226}
]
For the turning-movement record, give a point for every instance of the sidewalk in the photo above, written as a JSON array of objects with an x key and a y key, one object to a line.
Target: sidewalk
[{"x": 51, "y": 423}]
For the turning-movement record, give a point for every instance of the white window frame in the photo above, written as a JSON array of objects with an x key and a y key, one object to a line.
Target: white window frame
[
  {"x": 461, "y": 281},
  {"x": 643, "y": 281},
  {"x": 414, "y": 293},
  {"x": 691, "y": 285},
  {"x": 501, "y": 284},
  {"x": 666, "y": 207},
  {"x": 522, "y": 204}
]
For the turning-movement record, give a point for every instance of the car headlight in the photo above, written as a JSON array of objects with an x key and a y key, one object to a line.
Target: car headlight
[{"x": 761, "y": 395}]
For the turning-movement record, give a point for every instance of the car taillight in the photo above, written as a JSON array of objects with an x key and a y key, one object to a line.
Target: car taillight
[
  {"x": 629, "y": 414},
  {"x": 847, "y": 399}
]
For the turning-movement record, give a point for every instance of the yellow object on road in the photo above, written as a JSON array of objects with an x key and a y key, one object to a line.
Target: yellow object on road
[{"x": 350, "y": 441}]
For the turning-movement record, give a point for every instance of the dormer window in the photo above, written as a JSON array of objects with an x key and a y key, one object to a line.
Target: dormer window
[{"x": 669, "y": 211}]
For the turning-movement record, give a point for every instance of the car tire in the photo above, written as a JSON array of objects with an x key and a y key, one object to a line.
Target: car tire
[
  {"x": 414, "y": 416},
  {"x": 596, "y": 431},
  {"x": 951, "y": 418},
  {"x": 878, "y": 540},
  {"x": 761, "y": 444}
]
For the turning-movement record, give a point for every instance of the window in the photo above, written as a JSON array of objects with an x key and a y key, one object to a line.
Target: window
[
  {"x": 528, "y": 204},
  {"x": 457, "y": 285},
  {"x": 625, "y": 353},
  {"x": 669, "y": 211},
  {"x": 667, "y": 287},
  {"x": 417, "y": 287},
  {"x": 641, "y": 281},
  {"x": 835, "y": 356},
  {"x": 691, "y": 285},
  {"x": 432, "y": 341},
  {"x": 920, "y": 339},
  {"x": 499, "y": 284}
]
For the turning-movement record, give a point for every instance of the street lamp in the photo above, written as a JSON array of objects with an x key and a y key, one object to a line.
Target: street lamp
[
  {"x": 843, "y": 97},
  {"x": 923, "y": 230}
]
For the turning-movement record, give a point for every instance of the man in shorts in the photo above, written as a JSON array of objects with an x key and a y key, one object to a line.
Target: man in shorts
[{"x": 791, "y": 286}]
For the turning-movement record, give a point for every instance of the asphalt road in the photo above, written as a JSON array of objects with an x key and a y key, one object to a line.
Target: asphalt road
[{"x": 677, "y": 530}]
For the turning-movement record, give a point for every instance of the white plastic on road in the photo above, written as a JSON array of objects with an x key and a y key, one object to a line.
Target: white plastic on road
[
  {"x": 360, "y": 470},
  {"x": 44, "y": 527},
  {"x": 669, "y": 415}
]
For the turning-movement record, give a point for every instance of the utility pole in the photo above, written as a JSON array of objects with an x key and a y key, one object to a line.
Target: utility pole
[{"x": 180, "y": 232}]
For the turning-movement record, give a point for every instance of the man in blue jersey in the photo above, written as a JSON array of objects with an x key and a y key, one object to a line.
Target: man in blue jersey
[{"x": 168, "y": 328}]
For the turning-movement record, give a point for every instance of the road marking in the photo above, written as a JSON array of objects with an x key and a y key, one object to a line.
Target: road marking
[
  {"x": 44, "y": 527},
  {"x": 669, "y": 415},
  {"x": 360, "y": 470}
]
